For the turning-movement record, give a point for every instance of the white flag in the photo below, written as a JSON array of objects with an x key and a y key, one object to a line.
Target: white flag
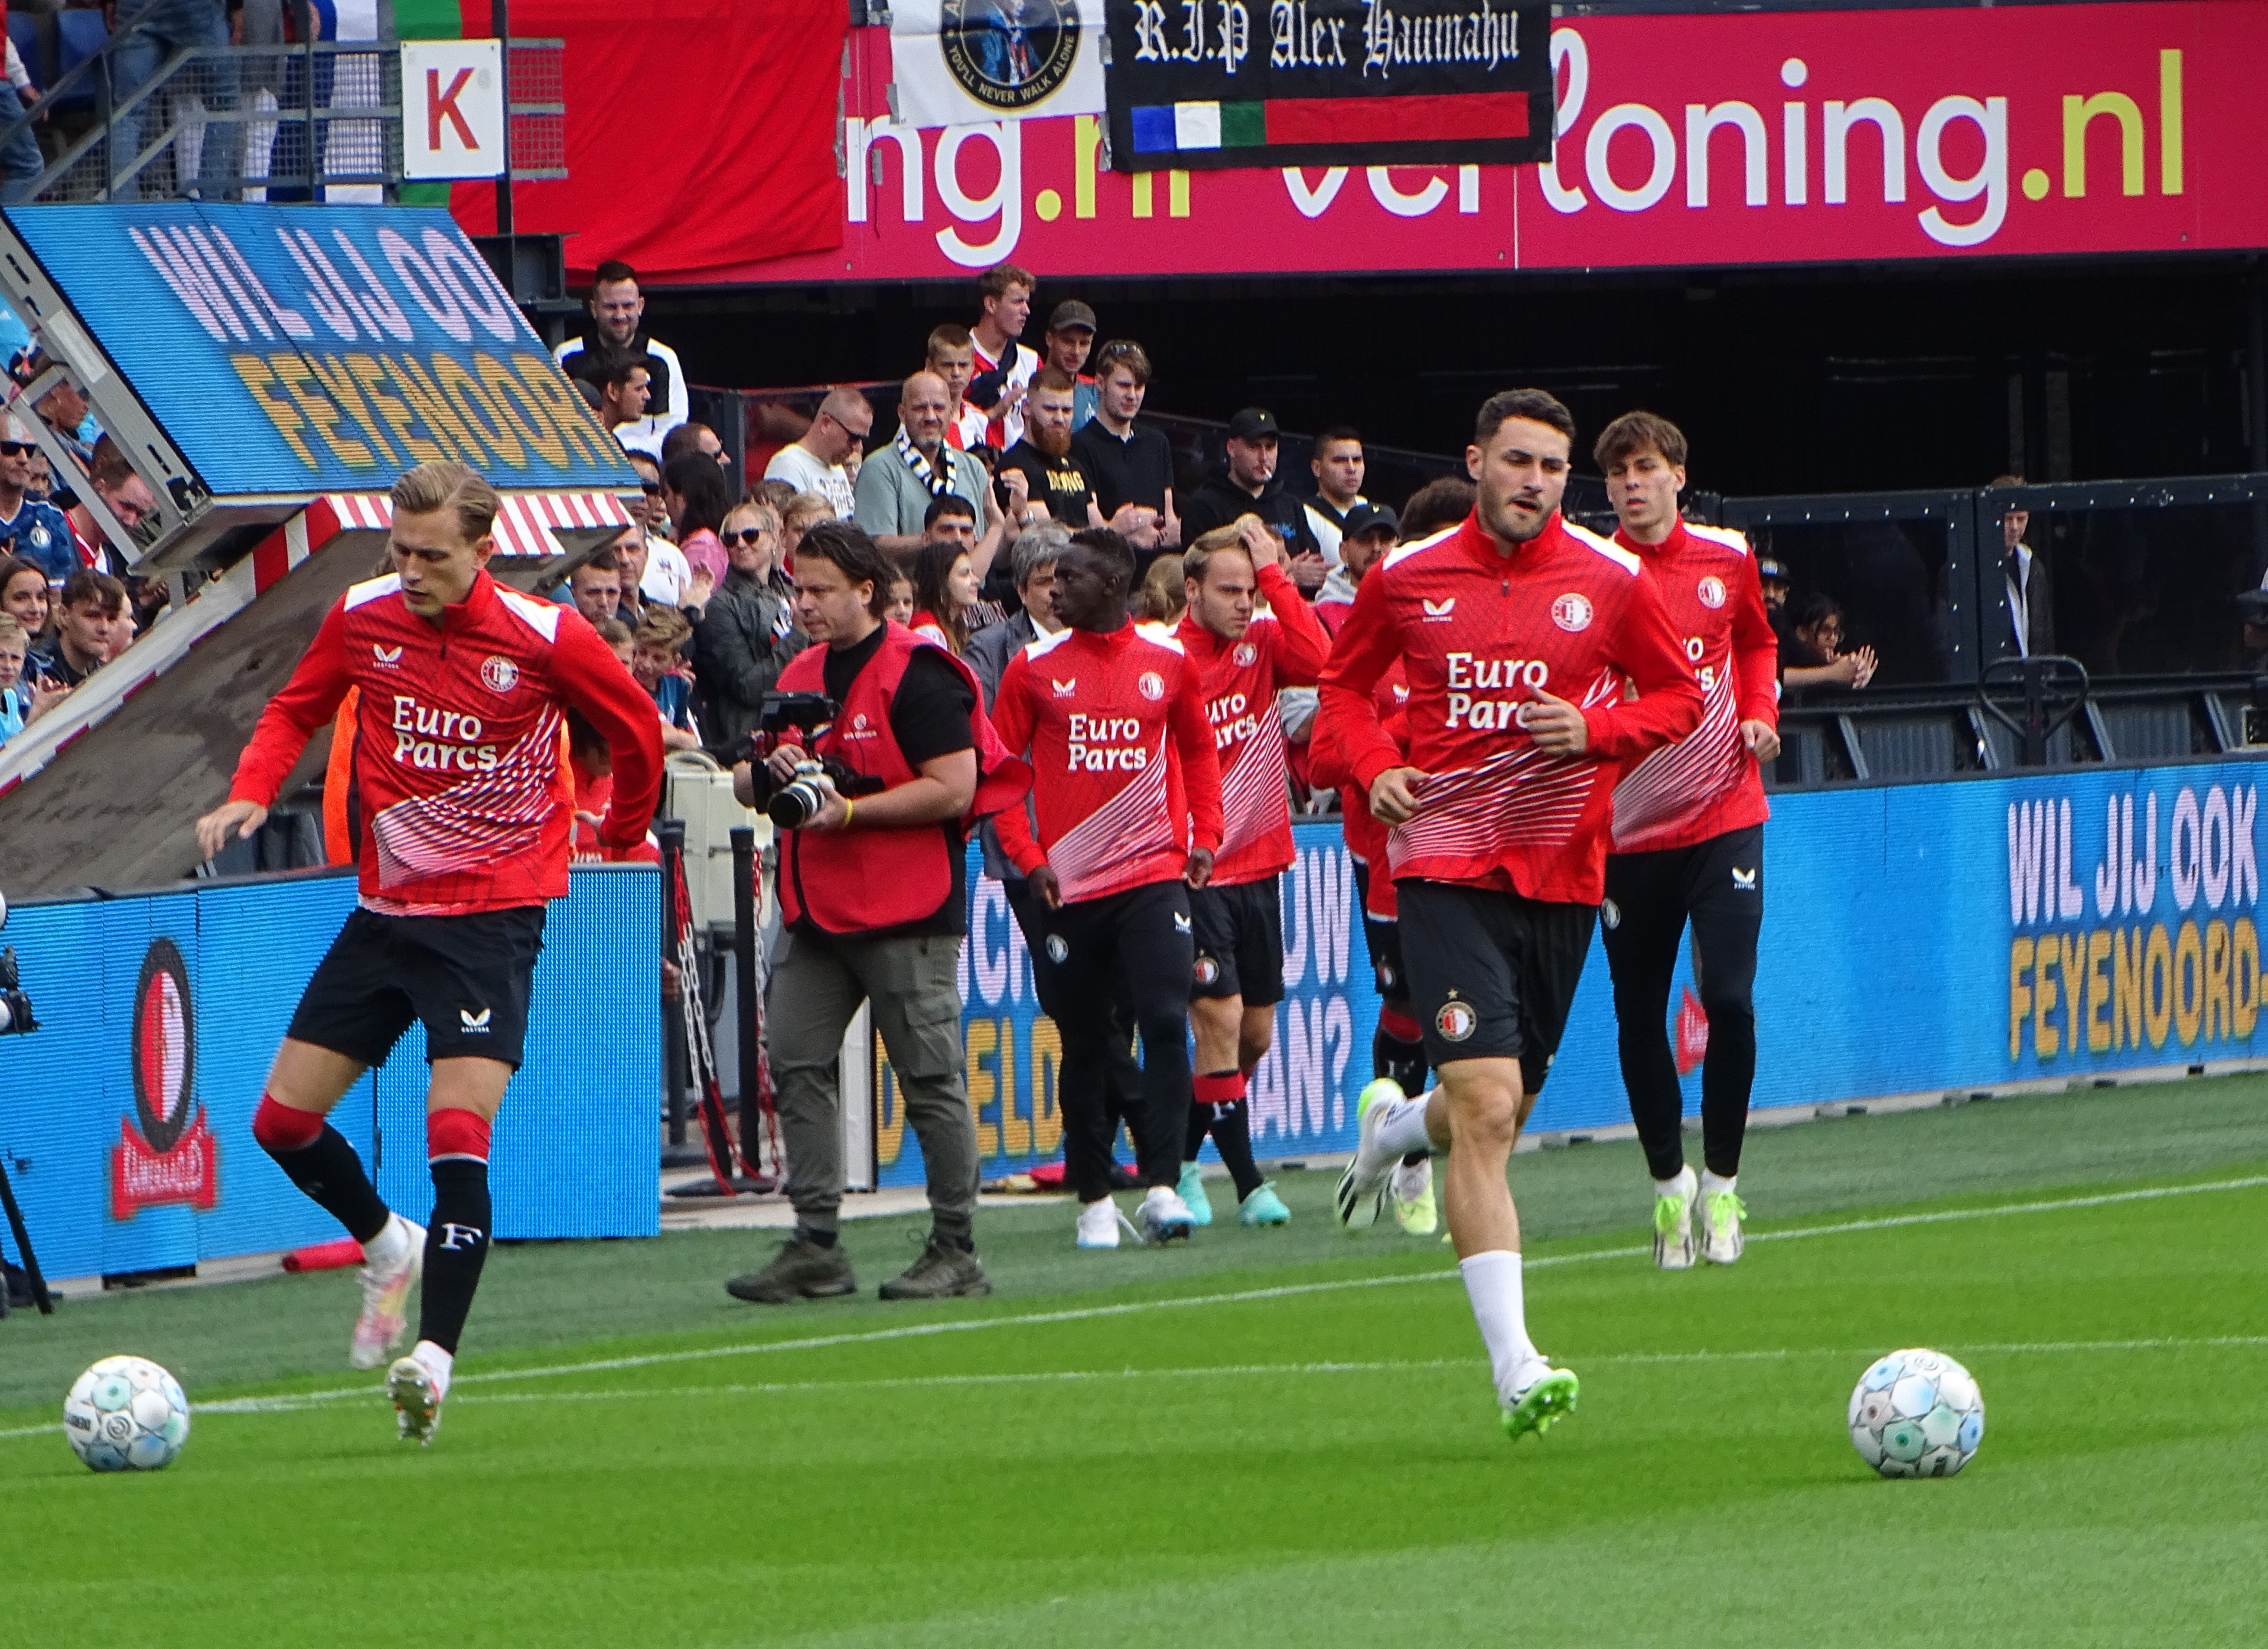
[{"x": 957, "y": 62}]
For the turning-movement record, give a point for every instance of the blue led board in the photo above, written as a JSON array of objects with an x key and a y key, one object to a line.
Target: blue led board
[{"x": 310, "y": 350}]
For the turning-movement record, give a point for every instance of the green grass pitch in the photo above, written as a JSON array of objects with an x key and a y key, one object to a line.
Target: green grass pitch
[{"x": 1265, "y": 1437}]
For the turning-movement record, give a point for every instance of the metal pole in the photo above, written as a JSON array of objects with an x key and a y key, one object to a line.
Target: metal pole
[
  {"x": 744, "y": 981},
  {"x": 22, "y": 1246},
  {"x": 500, "y": 26},
  {"x": 672, "y": 833}
]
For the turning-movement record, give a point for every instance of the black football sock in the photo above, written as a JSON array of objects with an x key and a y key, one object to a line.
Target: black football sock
[
  {"x": 1200, "y": 1125},
  {"x": 1232, "y": 1137},
  {"x": 330, "y": 1173},
  {"x": 456, "y": 1248}
]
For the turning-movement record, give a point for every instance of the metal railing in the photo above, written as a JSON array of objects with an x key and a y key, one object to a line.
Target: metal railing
[{"x": 279, "y": 123}]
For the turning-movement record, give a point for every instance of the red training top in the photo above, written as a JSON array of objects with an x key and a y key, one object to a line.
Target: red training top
[
  {"x": 1480, "y": 633},
  {"x": 1707, "y": 783},
  {"x": 1283, "y": 647},
  {"x": 465, "y": 804},
  {"x": 1124, "y": 778}
]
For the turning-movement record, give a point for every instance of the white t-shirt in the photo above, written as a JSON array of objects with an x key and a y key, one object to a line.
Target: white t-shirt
[
  {"x": 668, "y": 572},
  {"x": 799, "y": 466}
]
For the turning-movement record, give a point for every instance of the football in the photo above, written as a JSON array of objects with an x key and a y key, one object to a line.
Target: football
[
  {"x": 125, "y": 1414},
  {"x": 1916, "y": 1414}
]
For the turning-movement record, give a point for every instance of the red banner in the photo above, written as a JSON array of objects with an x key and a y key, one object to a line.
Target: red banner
[
  {"x": 187, "y": 1171},
  {"x": 1723, "y": 139}
]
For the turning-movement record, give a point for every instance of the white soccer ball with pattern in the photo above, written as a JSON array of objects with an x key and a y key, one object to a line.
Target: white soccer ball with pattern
[
  {"x": 1916, "y": 1414},
  {"x": 127, "y": 1414}
]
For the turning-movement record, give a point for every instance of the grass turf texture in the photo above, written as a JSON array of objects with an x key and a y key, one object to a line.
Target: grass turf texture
[{"x": 1316, "y": 1461}]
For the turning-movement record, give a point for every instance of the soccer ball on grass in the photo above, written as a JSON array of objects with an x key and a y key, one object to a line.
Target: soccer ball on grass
[
  {"x": 1916, "y": 1414},
  {"x": 125, "y": 1414}
]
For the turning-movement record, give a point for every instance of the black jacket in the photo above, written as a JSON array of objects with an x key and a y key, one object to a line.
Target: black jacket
[
  {"x": 1220, "y": 501},
  {"x": 737, "y": 654}
]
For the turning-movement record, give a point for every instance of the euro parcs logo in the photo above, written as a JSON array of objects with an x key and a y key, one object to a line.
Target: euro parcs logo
[
  {"x": 1009, "y": 54},
  {"x": 166, "y": 1152}
]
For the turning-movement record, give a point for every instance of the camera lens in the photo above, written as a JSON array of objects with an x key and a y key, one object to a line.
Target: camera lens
[{"x": 793, "y": 805}]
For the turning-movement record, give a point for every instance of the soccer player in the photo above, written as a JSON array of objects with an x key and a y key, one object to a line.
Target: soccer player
[
  {"x": 1689, "y": 843},
  {"x": 1538, "y": 658},
  {"x": 1244, "y": 658},
  {"x": 466, "y": 809},
  {"x": 1128, "y": 793}
]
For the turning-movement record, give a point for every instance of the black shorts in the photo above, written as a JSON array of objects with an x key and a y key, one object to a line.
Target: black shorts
[
  {"x": 1492, "y": 974},
  {"x": 467, "y": 978},
  {"x": 1240, "y": 942}
]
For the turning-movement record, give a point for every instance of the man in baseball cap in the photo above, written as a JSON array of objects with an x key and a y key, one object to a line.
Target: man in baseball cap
[
  {"x": 1070, "y": 335},
  {"x": 1246, "y": 483}
]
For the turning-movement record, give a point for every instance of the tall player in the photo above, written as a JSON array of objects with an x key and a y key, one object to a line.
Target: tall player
[
  {"x": 1523, "y": 639},
  {"x": 1244, "y": 658},
  {"x": 466, "y": 813},
  {"x": 1128, "y": 793},
  {"x": 1688, "y": 844}
]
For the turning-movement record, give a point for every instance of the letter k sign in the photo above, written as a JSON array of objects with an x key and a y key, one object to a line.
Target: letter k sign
[
  {"x": 442, "y": 106},
  {"x": 452, "y": 116}
]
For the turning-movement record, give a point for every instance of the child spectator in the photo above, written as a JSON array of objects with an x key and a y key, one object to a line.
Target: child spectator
[
  {"x": 654, "y": 654},
  {"x": 21, "y": 702},
  {"x": 901, "y": 609}
]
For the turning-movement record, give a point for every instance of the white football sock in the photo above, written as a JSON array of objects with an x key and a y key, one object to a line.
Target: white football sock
[
  {"x": 1402, "y": 1129},
  {"x": 387, "y": 1250},
  {"x": 437, "y": 1362},
  {"x": 1674, "y": 1186},
  {"x": 1711, "y": 1184},
  {"x": 1492, "y": 1283}
]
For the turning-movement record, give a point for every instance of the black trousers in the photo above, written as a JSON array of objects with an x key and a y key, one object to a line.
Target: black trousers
[
  {"x": 1717, "y": 885},
  {"x": 1132, "y": 948},
  {"x": 1121, "y": 1072}
]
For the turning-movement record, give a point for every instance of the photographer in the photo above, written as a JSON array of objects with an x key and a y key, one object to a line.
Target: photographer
[{"x": 882, "y": 741}]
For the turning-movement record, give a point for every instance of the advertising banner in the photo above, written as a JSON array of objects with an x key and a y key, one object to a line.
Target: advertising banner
[
  {"x": 956, "y": 60},
  {"x": 1724, "y": 139},
  {"x": 303, "y": 349},
  {"x": 127, "y": 1117},
  {"x": 1222, "y": 83},
  {"x": 1917, "y": 938}
]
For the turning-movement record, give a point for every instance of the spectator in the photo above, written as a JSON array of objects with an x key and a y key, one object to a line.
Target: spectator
[
  {"x": 1247, "y": 484},
  {"x": 895, "y": 491},
  {"x": 1338, "y": 466},
  {"x": 745, "y": 635},
  {"x": 1812, "y": 655},
  {"x": 28, "y": 528},
  {"x": 617, "y": 314},
  {"x": 625, "y": 386},
  {"x": 1054, "y": 481},
  {"x": 1031, "y": 561},
  {"x": 22, "y": 701},
  {"x": 1161, "y": 598},
  {"x": 63, "y": 410},
  {"x": 1128, "y": 463},
  {"x": 813, "y": 460},
  {"x": 945, "y": 595},
  {"x": 1771, "y": 578},
  {"x": 620, "y": 640},
  {"x": 596, "y": 587},
  {"x": 951, "y": 356},
  {"x": 127, "y": 497},
  {"x": 157, "y": 32},
  {"x": 804, "y": 511},
  {"x": 656, "y": 648},
  {"x": 21, "y": 161},
  {"x": 2031, "y": 598},
  {"x": 951, "y": 517},
  {"x": 899, "y": 609},
  {"x": 1441, "y": 503},
  {"x": 668, "y": 576},
  {"x": 695, "y": 493},
  {"x": 1369, "y": 531},
  {"x": 779, "y": 494},
  {"x": 1004, "y": 366},
  {"x": 630, "y": 553},
  {"x": 1070, "y": 335},
  {"x": 91, "y": 604},
  {"x": 24, "y": 596},
  {"x": 695, "y": 438}
]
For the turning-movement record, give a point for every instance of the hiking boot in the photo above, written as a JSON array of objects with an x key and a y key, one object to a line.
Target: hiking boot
[
  {"x": 944, "y": 1271},
  {"x": 800, "y": 1270}
]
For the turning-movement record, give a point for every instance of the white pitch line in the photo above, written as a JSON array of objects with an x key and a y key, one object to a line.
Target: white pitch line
[{"x": 288, "y": 1402}]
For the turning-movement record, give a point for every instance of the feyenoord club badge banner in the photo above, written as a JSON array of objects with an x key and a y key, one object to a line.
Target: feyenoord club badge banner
[
  {"x": 958, "y": 61},
  {"x": 1293, "y": 82}
]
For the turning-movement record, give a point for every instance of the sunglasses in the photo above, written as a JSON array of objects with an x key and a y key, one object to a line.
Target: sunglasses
[
  {"x": 750, "y": 535},
  {"x": 651, "y": 489},
  {"x": 17, "y": 449}
]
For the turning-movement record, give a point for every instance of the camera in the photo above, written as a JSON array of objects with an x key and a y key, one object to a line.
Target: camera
[{"x": 805, "y": 716}]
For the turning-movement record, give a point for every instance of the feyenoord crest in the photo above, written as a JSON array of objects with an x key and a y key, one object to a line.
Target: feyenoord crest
[
  {"x": 1008, "y": 54},
  {"x": 1151, "y": 686},
  {"x": 498, "y": 673},
  {"x": 1571, "y": 611},
  {"x": 1207, "y": 970},
  {"x": 1456, "y": 1020},
  {"x": 1246, "y": 655},
  {"x": 1711, "y": 591},
  {"x": 171, "y": 1155}
]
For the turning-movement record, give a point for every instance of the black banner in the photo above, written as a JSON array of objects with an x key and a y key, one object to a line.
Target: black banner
[{"x": 1281, "y": 83}]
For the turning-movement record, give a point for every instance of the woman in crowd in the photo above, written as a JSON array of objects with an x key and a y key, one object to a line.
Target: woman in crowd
[
  {"x": 901, "y": 608},
  {"x": 944, "y": 595},
  {"x": 24, "y": 596},
  {"x": 1163, "y": 595},
  {"x": 745, "y": 635},
  {"x": 695, "y": 492}
]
